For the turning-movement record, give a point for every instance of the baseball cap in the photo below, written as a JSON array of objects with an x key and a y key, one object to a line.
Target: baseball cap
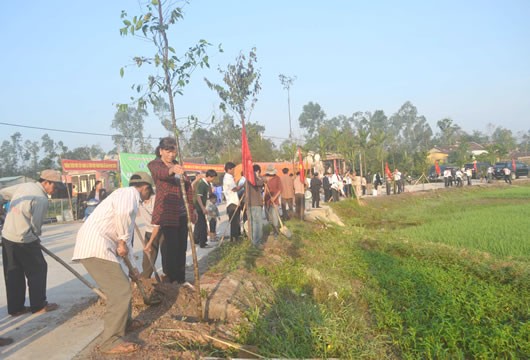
[
  {"x": 51, "y": 175},
  {"x": 141, "y": 177}
]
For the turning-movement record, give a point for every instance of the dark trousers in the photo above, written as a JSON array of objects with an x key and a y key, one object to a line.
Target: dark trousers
[
  {"x": 213, "y": 225},
  {"x": 335, "y": 194},
  {"x": 147, "y": 269},
  {"x": 299, "y": 200},
  {"x": 233, "y": 212},
  {"x": 200, "y": 232},
  {"x": 327, "y": 195},
  {"x": 173, "y": 250},
  {"x": 287, "y": 203},
  {"x": 508, "y": 179},
  {"x": 24, "y": 261},
  {"x": 316, "y": 198}
]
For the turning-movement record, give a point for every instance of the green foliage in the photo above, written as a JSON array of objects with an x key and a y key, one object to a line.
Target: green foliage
[
  {"x": 242, "y": 81},
  {"x": 152, "y": 26},
  {"x": 130, "y": 126},
  {"x": 414, "y": 277}
]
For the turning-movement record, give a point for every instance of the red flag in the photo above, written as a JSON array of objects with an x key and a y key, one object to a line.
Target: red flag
[
  {"x": 475, "y": 165},
  {"x": 437, "y": 168},
  {"x": 301, "y": 166},
  {"x": 246, "y": 157},
  {"x": 387, "y": 171},
  {"x": 513, "y": 165},
  {"x": 335, "y": 166}
]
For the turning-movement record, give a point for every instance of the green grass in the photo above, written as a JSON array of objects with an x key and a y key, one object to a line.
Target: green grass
[{"x": 444, "y": 275}]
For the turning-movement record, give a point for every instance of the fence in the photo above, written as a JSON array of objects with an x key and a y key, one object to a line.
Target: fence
[{"x": 60, "y": 210}]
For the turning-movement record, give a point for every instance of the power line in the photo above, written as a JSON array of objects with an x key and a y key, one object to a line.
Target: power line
[
  {"x": 68, "y": 131},
  {"x": 99, "y": 134}
]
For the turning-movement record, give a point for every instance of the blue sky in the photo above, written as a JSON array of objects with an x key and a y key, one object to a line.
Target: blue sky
[{"x": 467, "y": 60}]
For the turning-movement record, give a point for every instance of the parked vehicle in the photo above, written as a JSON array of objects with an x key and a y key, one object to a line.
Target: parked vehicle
[
  {"x": 521, "y": 169},
  {"x": 433, "y": 176},
  {"x": 482, "y": 168}
]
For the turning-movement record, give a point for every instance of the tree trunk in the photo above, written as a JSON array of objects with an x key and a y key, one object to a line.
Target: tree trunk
[{"x": 169, "y": 90}]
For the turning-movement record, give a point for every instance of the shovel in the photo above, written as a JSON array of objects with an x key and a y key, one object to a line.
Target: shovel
[
  {"x": 77, "y": 275},
  {"x": 153, "y": 300},
  {"x": 283, "y": 229},
  {"x": 142, "y": 240}
]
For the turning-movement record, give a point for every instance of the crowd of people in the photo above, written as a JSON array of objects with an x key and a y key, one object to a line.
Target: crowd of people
[{"x": 179, "y": 206}]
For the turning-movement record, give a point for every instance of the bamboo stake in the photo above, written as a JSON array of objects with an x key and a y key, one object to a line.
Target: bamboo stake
[
  {"x": 224, "y": 342},
  {"x": 169, "y": 90}
]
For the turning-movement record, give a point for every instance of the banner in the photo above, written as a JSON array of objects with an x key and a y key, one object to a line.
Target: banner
[
  {"x": 131, "y": 163},
  {"x": 388, "y": 172},
  {"x": 246, "y": 157},
  {"x": 437, "y": 168},
  {"x": 514, "y": 166},
  {"x": 89, "y": 165}
]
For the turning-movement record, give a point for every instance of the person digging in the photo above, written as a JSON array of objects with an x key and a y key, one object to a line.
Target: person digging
[{"x": 101, "y": 242}]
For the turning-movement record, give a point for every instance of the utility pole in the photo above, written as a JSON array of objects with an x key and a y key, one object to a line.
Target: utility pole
[{"x": 287, "y": 81}]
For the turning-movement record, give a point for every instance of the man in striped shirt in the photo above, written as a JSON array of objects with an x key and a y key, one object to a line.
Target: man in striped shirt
[{"x": 104, "y": 238}]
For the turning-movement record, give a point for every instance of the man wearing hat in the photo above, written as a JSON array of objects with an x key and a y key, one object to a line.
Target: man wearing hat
[
  {"x": 273, "y": 190},
  {"x": 104, "y": 238},
  {"x": 22, "y": 255}
]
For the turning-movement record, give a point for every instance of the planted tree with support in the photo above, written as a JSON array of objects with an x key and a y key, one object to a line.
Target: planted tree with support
[
  {"x": 154, "y": 26},
  {"x": 239, "y": 95}
]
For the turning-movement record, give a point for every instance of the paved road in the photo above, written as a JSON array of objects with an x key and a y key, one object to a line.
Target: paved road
[{"x": 58, "y": 334}]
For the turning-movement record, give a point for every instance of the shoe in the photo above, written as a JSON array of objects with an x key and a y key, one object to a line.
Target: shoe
[
  {"x": 47, "y": 308},
  {"x": 134, "y": 325},
  {"x": 26, "y": 310},
  {"x": 5, "y": 341}
]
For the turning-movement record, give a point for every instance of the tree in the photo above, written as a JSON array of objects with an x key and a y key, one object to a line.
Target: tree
[
  {"x": 287, "y": 81},
  {"x": 94, "y": 152},
  {"x": 204, "y": 143},
  {"x": 239, "y": 94},
  {"x": 311, "y": 118},
  {"x": 242, "y": 86},
  {"x": 449, "y": 132},
  {"x": 129, "y": 124},
  {"x": 504, "y": 140},
  {"x": 31, "y": 154},
  {"x": 176, "y": 73},
  {"x": 53, "y": 152},
  {"x": 411, "y": 134}
]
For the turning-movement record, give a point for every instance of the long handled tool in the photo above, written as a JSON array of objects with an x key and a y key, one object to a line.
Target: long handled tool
[
  {"x": 153, "y": 300},
  {"x": 142, "y": 240},
  {"x": 77, "y": 275},
  {"x": 283, "y": 229}
]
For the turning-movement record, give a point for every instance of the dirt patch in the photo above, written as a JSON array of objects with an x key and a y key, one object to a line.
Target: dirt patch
[{"x": 173, "y": 330}]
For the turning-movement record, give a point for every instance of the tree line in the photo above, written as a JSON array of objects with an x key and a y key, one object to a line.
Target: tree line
[{"x": 368, "y": 138}]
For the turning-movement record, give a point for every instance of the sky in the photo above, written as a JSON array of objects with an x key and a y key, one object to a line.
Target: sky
[{"x": 466, "y": 60}]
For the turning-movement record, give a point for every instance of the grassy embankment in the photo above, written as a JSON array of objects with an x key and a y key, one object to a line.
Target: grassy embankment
[{"x": 433, "y": 275}]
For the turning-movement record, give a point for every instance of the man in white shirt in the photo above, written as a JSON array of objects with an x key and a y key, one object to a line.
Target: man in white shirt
[
  {"x": 101, "y": 241},
  {"x": 507, "y": 175},
  {"x": 336, "y": 186},
  {"x": 22, "y": 255},
  {"x": 230, "y": 189},
  {"x": 152, "y": 236}
]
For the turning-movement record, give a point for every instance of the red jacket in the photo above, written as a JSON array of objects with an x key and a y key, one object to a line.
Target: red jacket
[{"x": 169, "y": 204}]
